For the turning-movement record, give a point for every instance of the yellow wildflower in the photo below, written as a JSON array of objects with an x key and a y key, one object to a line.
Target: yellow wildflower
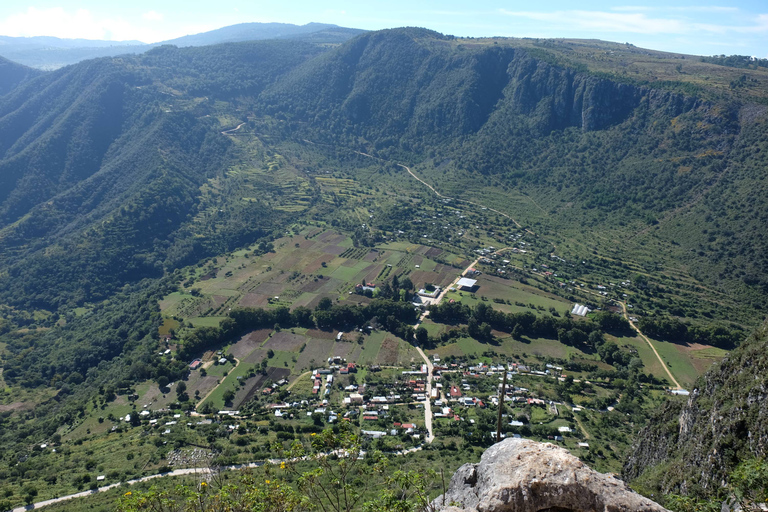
[
  {"x": 313, "y": 434},
  {"x": 128, "y": 493},
  {"x": 203, "y": 484},
  {"x": 282, "y": 465},
  {"x": 267, "y": 481}
]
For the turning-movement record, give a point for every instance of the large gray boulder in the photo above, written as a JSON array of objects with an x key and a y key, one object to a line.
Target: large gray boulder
[{"x": 525, "y": 476}]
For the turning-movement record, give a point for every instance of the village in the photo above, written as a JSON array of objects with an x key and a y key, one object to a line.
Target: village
[
  {"x": 399, "y": 395},
  {"x": 389, "y": 405}
]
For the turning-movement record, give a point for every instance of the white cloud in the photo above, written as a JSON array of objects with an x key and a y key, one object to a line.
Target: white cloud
[
  {"x": 83, "y": 24},
  {"x": 152, "y": 16},
  {"x": 631, "y": 22},
  {"x": 632, "y": 8},
  {"x": 686, "y": 9},
  {"x": 607, "y": 21},
  {"x": 53, "y": 22},
  {"x": 761, "y": 24}
]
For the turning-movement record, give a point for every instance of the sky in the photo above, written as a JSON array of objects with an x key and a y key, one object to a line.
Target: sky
[{"x": 685, "y": 26}]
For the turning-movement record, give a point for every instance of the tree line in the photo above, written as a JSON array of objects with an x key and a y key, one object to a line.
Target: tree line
[{"x": 393, "y": 316}]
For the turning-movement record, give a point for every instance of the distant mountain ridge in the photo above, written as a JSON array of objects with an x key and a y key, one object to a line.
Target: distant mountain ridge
[
  {"x": 48, "y": 53},
  {"x": 57, "y": 42},
  {"x": 257, "y": 31}
]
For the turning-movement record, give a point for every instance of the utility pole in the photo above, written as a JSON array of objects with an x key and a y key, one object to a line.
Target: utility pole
[{"x": 501, "y": 404}]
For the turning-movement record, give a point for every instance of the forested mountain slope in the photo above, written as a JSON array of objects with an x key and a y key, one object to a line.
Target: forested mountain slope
[
  {"x": 669, "y": 159},
  {"x": 588, "y": 148},
  {"x": 97, "y": 156},
  {"x": 257, "y": 31},
  {"x": 13, "y": 74}
]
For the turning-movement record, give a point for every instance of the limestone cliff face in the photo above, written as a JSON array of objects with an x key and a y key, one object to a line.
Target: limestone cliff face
[
  {"x": 693, "y": 446},
  {"x": 560, "y": 97},
  {"x": 409, "y": 81},
  {"x": 521, "y": 475}
]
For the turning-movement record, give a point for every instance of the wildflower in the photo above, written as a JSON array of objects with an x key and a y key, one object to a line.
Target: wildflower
[
  {"x": 203, "y": 484},
  {"x": 282, "y": 465},
  {"x": 267, "y": 481},
  {"x": 313, "y": 434},
  {"x": 128, "y": 493}
]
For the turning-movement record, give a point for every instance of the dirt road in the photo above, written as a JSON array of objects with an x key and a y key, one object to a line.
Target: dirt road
[{"x": 640, "y": 333}]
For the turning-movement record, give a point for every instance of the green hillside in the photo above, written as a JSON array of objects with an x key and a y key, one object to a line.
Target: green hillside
[
  {"x": 13, "y": 74},
  {"x": 276, "y": 204}
]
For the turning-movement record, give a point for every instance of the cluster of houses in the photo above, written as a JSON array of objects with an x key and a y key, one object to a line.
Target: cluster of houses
[
  {"x": 268, "y": 390},
  {"x": 334, "y": 364},
  {"x": 367, "y": 287},
  {"x": 445, "y": 399}
]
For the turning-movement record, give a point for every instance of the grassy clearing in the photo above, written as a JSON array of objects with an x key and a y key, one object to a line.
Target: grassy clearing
[
  {"x": 432, "y": 328},
  {"x": 229, "y": 382},
  {"x": 713, "y": 353},
  {"x": 525, "y": 349},
  {"x": 650, "y": 361},
  {"x": 218, "y": 370},
  {"x": 283, "y": 359},
  {"x": 168, "y": 325},
  {"x": 371, "y": 347},
  {"x": 206, "y": 321},
  {"x": 678, "y": 361}
]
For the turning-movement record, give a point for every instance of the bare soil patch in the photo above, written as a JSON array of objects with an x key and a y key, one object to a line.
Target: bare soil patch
[
  {"x": 285, "y": 341},
  {"x": 344, "y": 349},
  {"x": 16, "y": 407},
  {"x": 421, "y": 278},
  {"x": 316, "y": 265},
  {"x": 317, "y": 350},
  {"x": 336, "y": 250},
  {"x": 203, "y": 384},
  {"x": 313, "y": 285},
  {"x": 270, "y": 289},
  {"x": 249, "y": 343},
  {"x": 254, "y": 384},
  {"x": 305, "y": 244},
  {"x": 433, "y": 252},
  {"x": 251, "y": 300},
  {"x": 388, "y": 352},
  {"x": 325, "y": 237},
  {"x": 358, "y": 299},
  {"x": 255, "y": 357},
  {"x": 321, "y": 335},
  {"x": 373, "y": 273}
]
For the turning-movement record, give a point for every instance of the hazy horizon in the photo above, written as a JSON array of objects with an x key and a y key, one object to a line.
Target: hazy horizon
[{"x": 680, "y": 26}]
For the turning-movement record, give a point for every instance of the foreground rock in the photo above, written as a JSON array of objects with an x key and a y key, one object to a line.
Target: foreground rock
[{"x": 525, "y": 476}]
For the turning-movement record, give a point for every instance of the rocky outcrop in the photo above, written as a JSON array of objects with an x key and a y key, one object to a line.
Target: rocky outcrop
[
  {"x": 525, "y": 476},
  {"x": 724, "y": 422},
  {"x": 556, "y": 97}
]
